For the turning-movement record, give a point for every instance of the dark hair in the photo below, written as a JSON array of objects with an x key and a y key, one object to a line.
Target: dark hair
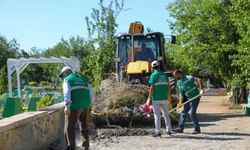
[
  {"x": 178, "y": 71},
  {"x": 156, "y": 67}
]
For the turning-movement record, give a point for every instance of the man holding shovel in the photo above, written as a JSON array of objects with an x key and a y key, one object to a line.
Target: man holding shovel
[
  {"x": 188, "y": 90},
  {"x": 77, "y": 98}
]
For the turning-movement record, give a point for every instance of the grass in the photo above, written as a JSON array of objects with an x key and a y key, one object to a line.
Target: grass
[
  {"x": 2, "y": 95},
  {"x": 235, "y": 106},
  {"x": 227, "y": 102}
]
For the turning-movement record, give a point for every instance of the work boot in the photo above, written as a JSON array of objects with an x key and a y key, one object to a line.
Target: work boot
[
  {"x": 196, "y": 132},
  {"x": 85, "y": 134},
  {"x": 85, "y": 144},
  {"x": 169, "y": 133},
  {"x": 71, "y": 148},
  {"x": 178, "y": 130},
  {"x": 68, "y": 148},
  {"x": 156, "y": 135}
]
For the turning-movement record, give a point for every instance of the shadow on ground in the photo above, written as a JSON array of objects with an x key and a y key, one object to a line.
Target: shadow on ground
[
  {"x": 227, "y": 134},
  {"x": 210, "y": 119},
  {"x": 213, "y": 117},
  {"x": 198, "y": 137}
]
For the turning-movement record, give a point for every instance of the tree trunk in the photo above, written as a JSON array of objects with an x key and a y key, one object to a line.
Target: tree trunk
[
  {"x": 240, "y": 95},
  {"x": 243, "y": 98},
  {"x": 235, "y": 95}
]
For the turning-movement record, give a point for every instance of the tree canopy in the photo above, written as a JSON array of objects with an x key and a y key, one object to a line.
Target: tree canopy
[{"x": 213, "y": 35}]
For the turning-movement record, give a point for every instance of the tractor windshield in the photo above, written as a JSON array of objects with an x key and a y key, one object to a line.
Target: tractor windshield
[{"x": 145, "y": 49}]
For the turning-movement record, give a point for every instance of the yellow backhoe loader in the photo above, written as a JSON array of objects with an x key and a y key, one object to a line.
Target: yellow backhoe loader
[{"x": 135, "y": 52}]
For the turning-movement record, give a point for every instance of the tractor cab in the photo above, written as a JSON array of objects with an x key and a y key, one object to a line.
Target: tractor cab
[{"x": 135, "y": 52}]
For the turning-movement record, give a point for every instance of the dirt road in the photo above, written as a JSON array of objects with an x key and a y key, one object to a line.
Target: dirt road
[{"x": 221, "y": 129}]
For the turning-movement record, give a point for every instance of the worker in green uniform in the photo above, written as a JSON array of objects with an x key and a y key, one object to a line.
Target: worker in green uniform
[
  {"x": 77, "y": 98},
  {"x": 188, "y": 89},
  {"x": 159, "y": 93}
]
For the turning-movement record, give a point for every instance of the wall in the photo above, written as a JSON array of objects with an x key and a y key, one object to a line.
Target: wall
[{"x": 32, "y": 130}]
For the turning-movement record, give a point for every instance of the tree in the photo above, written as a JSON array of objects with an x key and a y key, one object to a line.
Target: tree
[
  {"x": 211, "y": 38},
  {"x": 101, "y": 30},
  {"x": 8, "y": 49},
  {"x": 75, "y": 46},
  {"x": 241, "y": 59}
]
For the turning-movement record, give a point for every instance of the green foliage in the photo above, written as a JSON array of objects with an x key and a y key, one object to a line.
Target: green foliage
[
  {"x": 45, "y": 102},
  {"x": 241, "y": 20},
  {"x": 59, "y": 89},
  {"x": 235, "y": 106},
  {"x": 35, "y": 92},
  {"x": 47, "y": 88},
  {"x": 213, "y": 35},
  {"x": 43, "y": 83},
  {"x": 33, "y": 83},
  {"x": 1, "y": 113},
  {"x": 101, "y": 30},
  {"x": 75, "y": 46},
  {"x": 236, "y": 82},
  {"x": 24, "y": 109},
  {"x": 3, "y": 80},
  {"x": 8, "y": 49}
]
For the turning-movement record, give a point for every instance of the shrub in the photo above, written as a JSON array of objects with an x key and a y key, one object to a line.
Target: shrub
[
  {"x": 43, "y": 83},
  {"x": 59, "y": 89},
  {"x": 45, "y": 102},
  {"x": 3, "y": 80},
  {"x": 33, "y": 83}
]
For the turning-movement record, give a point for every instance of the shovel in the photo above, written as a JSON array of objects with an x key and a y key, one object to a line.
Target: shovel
[{"x": 187, "y": 102}]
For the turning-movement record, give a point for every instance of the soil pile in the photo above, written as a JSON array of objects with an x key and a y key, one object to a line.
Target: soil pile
[
  {"x": 112, "y": 96},
  {"x": 122, "y": 105}
]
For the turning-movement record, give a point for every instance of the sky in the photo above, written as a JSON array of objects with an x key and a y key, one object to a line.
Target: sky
[{"x": 42, "y": 23}]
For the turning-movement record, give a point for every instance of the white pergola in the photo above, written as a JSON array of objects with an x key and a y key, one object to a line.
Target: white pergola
[{"x": 19, "y": 65}]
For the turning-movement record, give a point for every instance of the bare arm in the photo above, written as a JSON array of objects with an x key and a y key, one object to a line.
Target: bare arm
[
  {"x": 180, "y": 99},
  {"x": 152, "y": 86},
  {"x": 199, "y": 81}
]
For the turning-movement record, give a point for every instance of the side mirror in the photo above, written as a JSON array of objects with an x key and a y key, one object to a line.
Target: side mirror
[{"x": 173, "y": 39}]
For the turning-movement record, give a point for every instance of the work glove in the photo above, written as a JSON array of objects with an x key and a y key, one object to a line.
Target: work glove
[
  {"x": 67, "y": 110},
  {"x": 180, "y": 105},
  {"x": 202, "y": 92},
  {"x": 149, "y": 102}
]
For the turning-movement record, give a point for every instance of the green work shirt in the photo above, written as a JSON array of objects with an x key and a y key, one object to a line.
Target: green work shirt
[
  {"x": 160, "y": 81},
  {"x": 79, "y": 92},
  {"x": 187, "y": 86}
]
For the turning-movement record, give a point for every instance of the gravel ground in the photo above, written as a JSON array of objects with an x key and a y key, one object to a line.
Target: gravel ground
[{"x": 221, "y": 129}]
